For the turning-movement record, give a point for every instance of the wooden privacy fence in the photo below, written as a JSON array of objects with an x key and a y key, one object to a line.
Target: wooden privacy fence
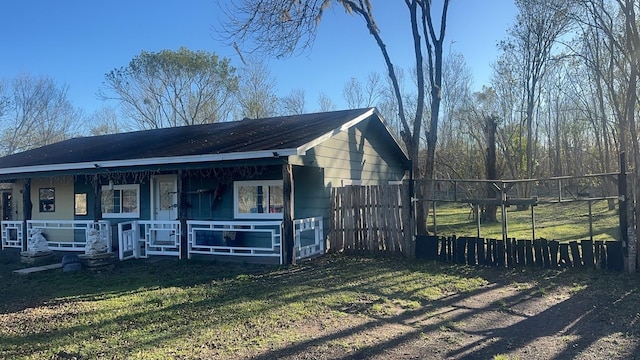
[
  {"x": 515, "y": 253},
  {"x": 367, "y": 218}
]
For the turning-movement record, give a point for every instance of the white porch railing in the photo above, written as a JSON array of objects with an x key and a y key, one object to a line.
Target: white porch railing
[
  {"x": 237, "y": 238},
  {"x": 139, "y": 239},
  {"x": 62, "y": 234},
  {"x": 129, "y": 244},
  {"x": 12, "y": 234},
  {"x": 308, "y": 237}
]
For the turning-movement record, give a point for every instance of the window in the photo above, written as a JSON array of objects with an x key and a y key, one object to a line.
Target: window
[
  {"x": 123, "y": 201},
  {"x": 47, "y": 199},
  {"x": 258, "y": 199},
  {"x": 80, "y": 204}
]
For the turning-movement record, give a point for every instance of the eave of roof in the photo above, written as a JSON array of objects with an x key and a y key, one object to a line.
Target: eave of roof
[{"x": 149, "y": 161}]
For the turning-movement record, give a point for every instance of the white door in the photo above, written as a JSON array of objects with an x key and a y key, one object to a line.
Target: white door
[{"x": 165, "y": 197}]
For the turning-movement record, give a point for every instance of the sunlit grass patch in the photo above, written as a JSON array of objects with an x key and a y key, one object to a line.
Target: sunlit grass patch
[{"x": 562, "y": 222}]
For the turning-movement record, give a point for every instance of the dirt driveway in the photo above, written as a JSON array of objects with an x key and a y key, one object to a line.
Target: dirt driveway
[{"x": 509, "y": 318}]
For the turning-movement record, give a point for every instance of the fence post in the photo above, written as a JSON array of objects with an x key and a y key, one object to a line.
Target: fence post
[{"x": 625, "y": 211}]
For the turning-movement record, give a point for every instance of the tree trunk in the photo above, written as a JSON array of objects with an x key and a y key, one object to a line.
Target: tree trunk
[{"x": 489, "y": 211}]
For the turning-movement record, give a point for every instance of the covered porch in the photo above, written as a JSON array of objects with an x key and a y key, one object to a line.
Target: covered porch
[{"x": 144, "y": 238}]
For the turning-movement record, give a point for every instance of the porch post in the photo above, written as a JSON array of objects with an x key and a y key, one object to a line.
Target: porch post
[
  {"x": 288, "y": 253},
  {"x": 27, "y": 205},
  {"x": 182, "y": 214},
  {"x": 97, "y": 199}
]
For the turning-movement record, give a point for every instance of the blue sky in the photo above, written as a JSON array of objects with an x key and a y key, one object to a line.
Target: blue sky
[{"x": 76, "y": 42}]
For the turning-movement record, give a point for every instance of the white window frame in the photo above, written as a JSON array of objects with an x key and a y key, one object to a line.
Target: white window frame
[
  {"x": 123, "y": 215},
  {"x": 265, "y": 184}
]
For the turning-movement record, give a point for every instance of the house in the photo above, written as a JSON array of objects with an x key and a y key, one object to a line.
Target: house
[{"x": 256, "y": 188}]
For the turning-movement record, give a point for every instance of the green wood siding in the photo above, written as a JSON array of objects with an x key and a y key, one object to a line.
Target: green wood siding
[
  {"x": 364, "y": 153},
  {"x": 311, "y": 196}
]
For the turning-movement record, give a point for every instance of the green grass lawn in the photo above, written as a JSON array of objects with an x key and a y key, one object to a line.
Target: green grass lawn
[
  {"x": 562, "y": 222},
  {"x": 167, "y": 308},
  {"x": 190, "y": 309}
]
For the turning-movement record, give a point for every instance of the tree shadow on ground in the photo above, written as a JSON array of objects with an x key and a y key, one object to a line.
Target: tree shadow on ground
[
  {"x": 572, "y": 315},
  {"x": 18, "y": 292}
]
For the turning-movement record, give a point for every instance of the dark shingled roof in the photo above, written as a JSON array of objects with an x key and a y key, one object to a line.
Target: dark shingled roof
[{"x": 249, "y": 135}]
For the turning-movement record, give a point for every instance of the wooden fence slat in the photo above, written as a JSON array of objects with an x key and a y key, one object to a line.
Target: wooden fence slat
[
  {"x": 565, "y": 260},
  {"x": 546, "y": 260},
  {"x": 395, "y": 220},
  {"x": 575, "y": 254},
  {"x": 461, "y": 243},
  {"x": 404, "y": 211},
  {"x": 598, "y": 250},
  {"x": 554, "y": 245},
  {"x": 390, "y": 231},
  {"x": 442, "y": 255},
  {"x": 352, "y": 225},
  {"x": 381, "y": 227},
  {"x": 482, "y": 259},
  {"x": 494, "y": 252},
  {"x": 520, "y": 253},
  {"x": 537, "y": 252},
  {"x": 615, "y": 256},
  {"x": 382, "y": 240},
  {"x": 358, "y": 200},
  {"x": 375, "y": 209},
  {"x": 489, "y": 252},
  {"x": 471, "y": 250},
  {"x": 500, "y": 252},
  {"x": 370, "y": 226},
  {"x": 587, "y": 253},
  {"x": 511, "y": 252},
  {"x": 528, "y": 252},
  {"x": 390, "y": 219}
]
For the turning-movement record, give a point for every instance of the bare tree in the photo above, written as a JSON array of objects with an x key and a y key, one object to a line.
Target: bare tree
[
  {"x": 35, "y": 111},
  {"x": 105, "y": 121},
  {"x": 282, "y": 27},
  {"x": 616, "y": 21},
  {"x": 256, "y": 95},
  {"x": 294, "y": 103},
  {"x": 353, "y": 93},
  {"x": 325, "y": 103},
  {"x": 456, "y": 82},
  {"x": 173, "y": 88},
  {"x": 5, "y": 101},
  {"x": 540, "y": 23},
  {"x": 359, "y": 96}
]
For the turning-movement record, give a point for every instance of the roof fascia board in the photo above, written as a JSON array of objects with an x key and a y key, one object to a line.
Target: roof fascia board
[
  {"x": 384, "y": 123},
  {"x": 304, "y": 148},
  {"x": 150, "y": 161}
]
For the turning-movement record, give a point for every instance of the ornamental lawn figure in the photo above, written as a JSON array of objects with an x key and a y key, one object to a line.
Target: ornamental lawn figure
[
  {"x": 37, "y": 243},
  {"x": 97, "y": 255},
  {"x": 96, "y": 244}
]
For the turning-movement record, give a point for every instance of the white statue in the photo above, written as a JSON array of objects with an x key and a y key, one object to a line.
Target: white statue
[
  {"x": 96, "y": 244},
  {"x": 37, "y": 242}
]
